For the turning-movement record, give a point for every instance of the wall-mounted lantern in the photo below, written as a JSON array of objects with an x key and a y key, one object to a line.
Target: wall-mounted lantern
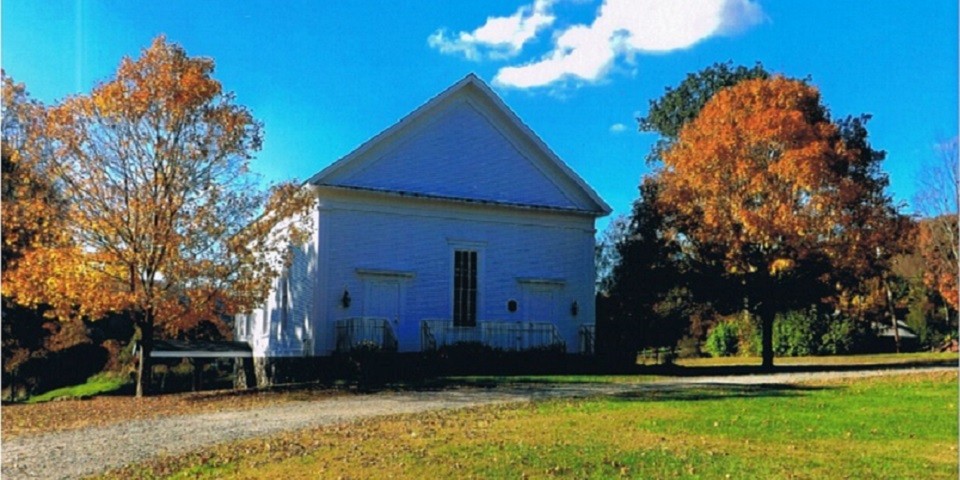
[
  {"x": 512, "y": 306},
  {"x": 574, "y": 308},
  {"x": 345, "y": 299}
]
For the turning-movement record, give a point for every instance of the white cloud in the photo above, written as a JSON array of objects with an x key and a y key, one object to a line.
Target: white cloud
[
  {"x": 623, "y": 28},
  {"x": 618, "y": 128},
  {"x": 499, "y": 37}
]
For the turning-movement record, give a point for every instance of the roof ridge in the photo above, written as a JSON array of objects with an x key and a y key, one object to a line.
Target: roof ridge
[{"x": 469, "y": 79}]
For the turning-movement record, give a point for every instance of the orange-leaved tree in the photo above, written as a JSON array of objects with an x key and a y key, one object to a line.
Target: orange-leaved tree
[
  {"x": 763, "y": 187},
  {"x": 937, "y": 200},
  {"x": 163, "y": 217},
  {"x": 31, "y": 215},
  {"x": 938, "y": 249}
]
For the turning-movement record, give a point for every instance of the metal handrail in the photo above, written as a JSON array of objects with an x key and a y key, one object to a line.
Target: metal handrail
[
  {"x": 427, "y": 340},
  {"x": 588, "y": 337},
  {"x": 390, "y": 341},
  {"x": 356, "y": 331},
  {"x": 513, "y": 336}
]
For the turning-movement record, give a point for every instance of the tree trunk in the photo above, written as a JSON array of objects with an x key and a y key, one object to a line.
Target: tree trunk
[
  {"x": 766, "y": 332},
  {"x": 13, "y": 385},
  {"x": 893, "y": 314},
  {"x": 244, "y": 373},
  {"x": 146, "y": 346},
  {"x": 197, "y": 364}
]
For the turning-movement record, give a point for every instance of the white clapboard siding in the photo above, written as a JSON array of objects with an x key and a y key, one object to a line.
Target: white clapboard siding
[
  {"x": 460, "y": 172},
  {"x": 407, "y": 240}
]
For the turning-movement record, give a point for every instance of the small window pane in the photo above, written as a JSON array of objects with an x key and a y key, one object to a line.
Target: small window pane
[{"x": 465, "y": 288}]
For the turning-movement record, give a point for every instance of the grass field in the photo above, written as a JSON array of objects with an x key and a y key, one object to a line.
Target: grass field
[
  {"x": 95, "y": 385},
  {"x": 902, "y": 426}
]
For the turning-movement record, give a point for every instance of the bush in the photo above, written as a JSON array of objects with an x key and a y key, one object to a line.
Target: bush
[
  {"x": 688, "y": 347},
  {"x": 468, "y": 351},
  {"x": 368, "y": 364},
  {"x": 795, "y": 333},
  {"x": 841, "y": 336},
  {"x": 723, "y": 340},
  {"x": 811, "y": 332},
  {"x": 750, "y": 342}
]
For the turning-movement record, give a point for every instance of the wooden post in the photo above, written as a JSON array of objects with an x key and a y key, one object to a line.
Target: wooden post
[
  {"x": 893, "y": 313},
  {"x": 197, "y": 364}
]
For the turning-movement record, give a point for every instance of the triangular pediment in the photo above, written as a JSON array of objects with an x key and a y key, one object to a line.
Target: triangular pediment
[{"x": 464, "y": 144}]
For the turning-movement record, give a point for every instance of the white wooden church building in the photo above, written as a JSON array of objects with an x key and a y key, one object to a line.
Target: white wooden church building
[{"x": 457, "y": 224}]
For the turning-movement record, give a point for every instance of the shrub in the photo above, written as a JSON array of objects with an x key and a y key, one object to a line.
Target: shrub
[
  {"x": 795, "y": 333},
  {"x": 812, "y": 332},
  {"x": 840, "y": 337},
  {"x": 749, "y": 341},
  {"x": 369, "y": 364},
  {"x": 723, "y": 340},
  {"x": 688, "y": 347}
]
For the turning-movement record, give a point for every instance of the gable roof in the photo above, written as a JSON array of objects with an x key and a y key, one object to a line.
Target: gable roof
[{"x": 469, "y": 93}]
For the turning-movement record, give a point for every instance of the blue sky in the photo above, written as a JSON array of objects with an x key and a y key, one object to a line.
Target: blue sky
[{"x": 326, "y": 76}]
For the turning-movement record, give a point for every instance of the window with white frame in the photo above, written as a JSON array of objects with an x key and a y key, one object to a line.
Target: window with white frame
[{"x": 465, "y": 288}]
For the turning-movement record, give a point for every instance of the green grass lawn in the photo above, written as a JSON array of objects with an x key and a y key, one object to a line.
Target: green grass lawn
[
  {"x": 902, "y": 426},
  {"x": 95, "y": 385}
]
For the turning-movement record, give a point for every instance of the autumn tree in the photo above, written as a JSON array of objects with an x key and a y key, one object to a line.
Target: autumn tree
[
  {"x": 27, "y": 202},
  {"x": 681, "y": 104},
  {"x": 160, "y": 205},
  {"x": 938, "y": 249},
  {"x": 763, "y": 188},
  {"x": 937, "y": 199},
  {"x": 642, "y": 290}
]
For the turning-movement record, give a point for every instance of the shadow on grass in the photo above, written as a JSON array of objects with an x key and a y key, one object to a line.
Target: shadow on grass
[
  {"x": 413, "y": 373},
  {"x": 580, "y": 371},
  {"x": 714, "y": 391}
]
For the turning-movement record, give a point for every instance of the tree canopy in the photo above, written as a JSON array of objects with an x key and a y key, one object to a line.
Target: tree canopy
[
  {"x": 163, "y": 219},
  {"x": 678, "y": 106},
  {"x": 765, "y": 186}
]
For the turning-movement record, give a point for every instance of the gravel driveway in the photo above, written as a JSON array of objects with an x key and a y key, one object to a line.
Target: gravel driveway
[{"x": 88, "y": 451}]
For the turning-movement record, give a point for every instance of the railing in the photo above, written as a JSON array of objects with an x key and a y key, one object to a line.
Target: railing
[
  {"x": 374, "y": 331},
  {"x": 656, "y": 356},
  {"x": 427, "y": 340},
  {"x": 588, "y": 336},
  {"x": 514, "y": 336}
]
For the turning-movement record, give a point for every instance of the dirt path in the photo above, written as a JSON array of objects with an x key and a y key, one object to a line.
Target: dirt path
[{"x": 88, "y": 451}]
